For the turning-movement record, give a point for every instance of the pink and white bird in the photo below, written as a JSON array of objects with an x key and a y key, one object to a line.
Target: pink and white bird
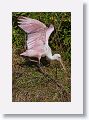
[{"x": 37, "y": 39}]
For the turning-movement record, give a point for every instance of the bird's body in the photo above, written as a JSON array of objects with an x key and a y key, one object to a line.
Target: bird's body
[{"x": 37, "y": 39}]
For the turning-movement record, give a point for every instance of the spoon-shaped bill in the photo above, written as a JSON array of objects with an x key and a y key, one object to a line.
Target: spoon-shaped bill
[{"x": 62, "y": 64}]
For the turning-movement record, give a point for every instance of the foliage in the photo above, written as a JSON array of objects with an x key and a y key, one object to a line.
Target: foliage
[{"x": 60, "y": 40}]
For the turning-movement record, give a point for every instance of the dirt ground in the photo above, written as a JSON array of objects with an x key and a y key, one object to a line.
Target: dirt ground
[{"x": 31, "y": 85}]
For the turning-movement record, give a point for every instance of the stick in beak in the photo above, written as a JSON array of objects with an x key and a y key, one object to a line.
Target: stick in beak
[{"x": 62, "y": 64}]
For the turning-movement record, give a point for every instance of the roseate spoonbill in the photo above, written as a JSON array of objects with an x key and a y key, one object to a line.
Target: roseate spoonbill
[{"x": 37, "y": 39}]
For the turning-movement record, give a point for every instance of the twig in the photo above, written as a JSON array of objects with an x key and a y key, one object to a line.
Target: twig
[
  {"x": 59, "y": 85},
  {"x": 56, "y": 72}
]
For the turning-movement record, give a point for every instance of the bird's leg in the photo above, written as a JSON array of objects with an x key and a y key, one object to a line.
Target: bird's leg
[
  {"x": 39, "y": 62},
  {"x": 39, "y": 65},
  {"x": 33, "y": 60}
]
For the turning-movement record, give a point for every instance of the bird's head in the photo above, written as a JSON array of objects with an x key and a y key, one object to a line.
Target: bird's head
[{"x": 58, "y": 58}]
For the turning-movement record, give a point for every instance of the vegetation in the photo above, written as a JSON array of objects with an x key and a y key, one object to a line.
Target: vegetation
[{"x": 29, "y": 84}]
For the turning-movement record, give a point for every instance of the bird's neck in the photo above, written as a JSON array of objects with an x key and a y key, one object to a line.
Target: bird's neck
[
  {"x": 49, "y": 54},
  {"x": 51, "y": 57}
]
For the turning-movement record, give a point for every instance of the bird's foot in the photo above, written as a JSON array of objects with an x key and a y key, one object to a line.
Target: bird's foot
[{"x": 40, "y": 65}]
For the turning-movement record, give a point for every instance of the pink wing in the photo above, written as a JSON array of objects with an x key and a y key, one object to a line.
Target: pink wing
[
  {"x": 30, "y": 25},
  {"x": 36, "y": 40},
  {"x": 35, "y": 44}
]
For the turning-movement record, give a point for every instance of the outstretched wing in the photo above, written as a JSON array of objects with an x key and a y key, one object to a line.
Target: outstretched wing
[
  {"x": 48, "y": 32},
  {"x": 38, "y": 36},
  {"x": 35, "y": 45},
  {"x": 36, "y": 40},
  {"x": 30, "y": 25}
]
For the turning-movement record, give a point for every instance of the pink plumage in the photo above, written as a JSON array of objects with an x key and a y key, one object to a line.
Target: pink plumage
[
  {"x": 37, "y": 39},
  {"x": 30, "y": 25}
]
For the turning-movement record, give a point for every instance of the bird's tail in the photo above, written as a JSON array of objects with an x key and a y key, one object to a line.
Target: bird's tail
[{"x": 24, "y": 54}]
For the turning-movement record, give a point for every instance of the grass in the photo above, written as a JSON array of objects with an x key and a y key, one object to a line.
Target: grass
[{"x": 31, "y": 85}]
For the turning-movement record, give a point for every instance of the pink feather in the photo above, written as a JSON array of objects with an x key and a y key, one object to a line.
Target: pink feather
[{"x": 37, "y": 38}]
